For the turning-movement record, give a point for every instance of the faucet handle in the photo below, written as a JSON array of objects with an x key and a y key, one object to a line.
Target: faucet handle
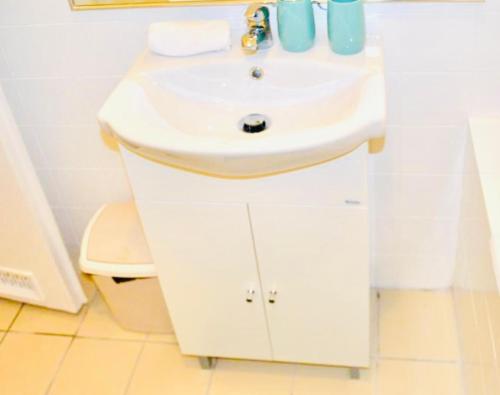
[
  {"x": 257, "y": 12},
  {"x": 249, "y": 42}
]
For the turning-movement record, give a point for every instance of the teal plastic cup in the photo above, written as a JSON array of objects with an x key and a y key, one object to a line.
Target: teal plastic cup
[
  {"x": 346, "y": 26},
  {"x": 296, "y": 26}
]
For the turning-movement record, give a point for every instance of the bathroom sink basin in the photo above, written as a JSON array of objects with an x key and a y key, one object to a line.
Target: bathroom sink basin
[{"x": 191, "y": 112}]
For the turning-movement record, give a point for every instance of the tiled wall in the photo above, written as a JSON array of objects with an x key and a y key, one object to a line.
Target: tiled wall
[
  {"x": 57, "y": 67},
  {"x": 477, "y": 301},
  {"x": 442, "y": 62}
]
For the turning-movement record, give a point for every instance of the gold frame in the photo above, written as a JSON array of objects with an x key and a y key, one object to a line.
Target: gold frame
[
  {"x": 165, "y": 3},
  {"x": 177, "y": 3}
]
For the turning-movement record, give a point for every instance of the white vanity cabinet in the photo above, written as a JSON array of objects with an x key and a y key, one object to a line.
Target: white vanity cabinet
[
  {"x": 313, "y": 265},
  {"x": 206, "y": 264},
  {"x": 271, "y": 268}
]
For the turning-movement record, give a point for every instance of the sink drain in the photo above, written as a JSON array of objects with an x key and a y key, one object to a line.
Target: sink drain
[
  {"x": 256, "y": 73},
  {"x": 254, "y": 123}
]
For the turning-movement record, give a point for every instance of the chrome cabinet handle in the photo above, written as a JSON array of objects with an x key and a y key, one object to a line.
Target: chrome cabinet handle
[
  {"x": 250, "y": 294},
  {"x": 272, "y": 296}
]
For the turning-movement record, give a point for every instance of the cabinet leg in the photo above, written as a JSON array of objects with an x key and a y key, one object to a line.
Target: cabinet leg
[
  {"x": 354, "y": 373},
  {"x": 207, "y": 363}
]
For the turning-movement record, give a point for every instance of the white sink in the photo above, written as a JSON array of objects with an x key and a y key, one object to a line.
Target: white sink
[{"x": 186, "y": 112}]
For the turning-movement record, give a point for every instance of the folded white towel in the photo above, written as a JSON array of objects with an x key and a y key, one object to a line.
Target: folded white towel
[{"x": 184, "y": 38}]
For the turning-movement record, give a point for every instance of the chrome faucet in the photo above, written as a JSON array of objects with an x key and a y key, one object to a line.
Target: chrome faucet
[{"x": 259, "y": 34}]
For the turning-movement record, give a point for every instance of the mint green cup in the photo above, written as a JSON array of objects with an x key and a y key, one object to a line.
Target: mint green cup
[
  {"x": 296, "y": 26},
  {"x": 346, "y": 26}
]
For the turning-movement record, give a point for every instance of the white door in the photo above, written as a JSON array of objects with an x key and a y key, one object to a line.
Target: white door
[
  {"x": 314, "y": 267},
  {"x": 205, "y": 259},
  {"x": 34, "y": 264}
]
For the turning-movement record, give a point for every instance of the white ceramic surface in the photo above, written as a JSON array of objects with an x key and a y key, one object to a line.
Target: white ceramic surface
[
  {"x": 485, "y": 137},
  {"x": 185, "y": 111}
]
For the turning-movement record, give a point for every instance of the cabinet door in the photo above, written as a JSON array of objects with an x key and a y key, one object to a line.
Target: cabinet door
[
  {"x": 314, "y": 267},
  {"x": 206, "y": 263}
]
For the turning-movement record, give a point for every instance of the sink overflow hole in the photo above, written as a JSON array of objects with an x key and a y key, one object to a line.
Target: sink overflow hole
[
  {"x": 254, "y": 123},
  {"x": 256, "y": 73}
]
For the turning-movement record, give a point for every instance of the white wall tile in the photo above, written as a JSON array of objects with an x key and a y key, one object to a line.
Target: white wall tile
[
  {"x": 4, "y": 71},
  {"x": 82, "y": 188},
  {"x": 492, "y": 6},
  {"x": 30, "y": 137},
  {"x": 385, "y": 195},
  {"x": 103, "y": 49},
  {"x": 15, "y": 12},
  {"x": 412, "y": 271},
  {"x": 413, "y": 248},
  {"x": 89, "y": 96},
  {"x": 432, "y": 10},
  {"x": 393, "y": 92},
  {"x": 428, "y": 237},
  {"x": 75, "y": 147},
  {"x": 415, "y": 236},
  {"x": 429, "y": 196},
  {"x": 485, "y": 39},
  {"x": 10, "y": 91},
  {"x": 59, "y": 100},
  {"x": 79, "y": 221},
  {"x": 386, "y": 240},
  {"x": 431, "y": 150},
  {"x": 416, "y": 195},
  {"x": 64, "y": 220},
  {"x": 428, "y": 43},
  {"x": 40, "y": 101},
  {"x": 433, "y": 98},
  {"x": 387, "y": 161},
  {"x": 50, "y": 186},
  {"x": 35, "y": 51}
]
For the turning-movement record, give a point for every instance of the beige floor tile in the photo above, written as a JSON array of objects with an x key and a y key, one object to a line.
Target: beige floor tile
[
  {"x": 36, "y": 319},
  {"x": 319, "y": 380},
  {"x": 97, "y": 367},
  {"x": 493, "y": 304},
  {"x": 473, "y": 379},
  {"x": 29, "y": 362},
  {"x": 8, "y": 311},
  {"x": 163, "y": 370},
  {"x": 251, "y": 378},
  {"x": 491, "y": 379},
  {"x": 417, "y": 325},
  {"x": 468, "y": 332},
  {"x": 99, "y": 323},
  {"x": 483, "y": 326},
  {"x": 418, "y": 378},
  {"x": 162, "y": 338}
]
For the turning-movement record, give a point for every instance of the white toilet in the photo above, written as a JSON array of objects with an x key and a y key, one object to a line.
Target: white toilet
[{"x": 115, "y": 252}]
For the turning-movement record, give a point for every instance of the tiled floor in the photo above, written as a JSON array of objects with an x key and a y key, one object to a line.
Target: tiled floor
[{"x": 46, "y": 352}]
